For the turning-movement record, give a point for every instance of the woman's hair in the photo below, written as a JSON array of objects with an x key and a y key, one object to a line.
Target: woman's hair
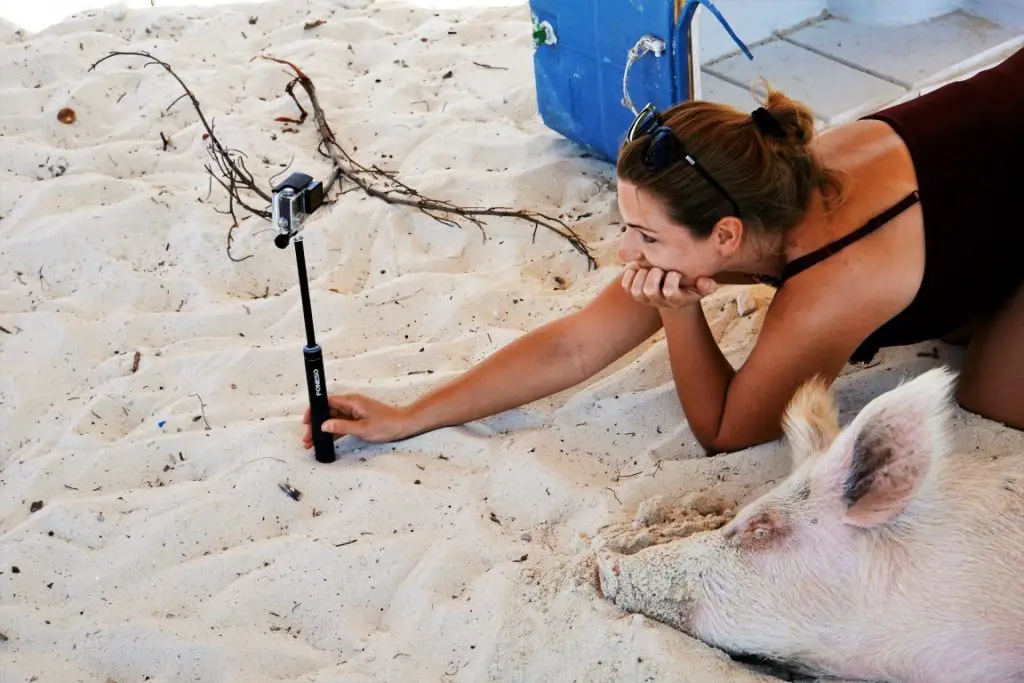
[{"x": 770, "y": 176}]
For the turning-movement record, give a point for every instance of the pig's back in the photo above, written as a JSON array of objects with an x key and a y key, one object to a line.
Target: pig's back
[{"x": 963, "y": 597}]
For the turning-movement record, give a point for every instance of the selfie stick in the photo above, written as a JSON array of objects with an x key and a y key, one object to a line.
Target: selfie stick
[{"x": 294, "y": 199}]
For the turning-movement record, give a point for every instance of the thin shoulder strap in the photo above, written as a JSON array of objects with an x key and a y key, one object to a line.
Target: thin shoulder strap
[{"x": 807, "y": 260}]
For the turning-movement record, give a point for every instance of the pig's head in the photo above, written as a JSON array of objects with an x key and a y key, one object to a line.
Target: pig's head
[{"x": 783, "y": 576}]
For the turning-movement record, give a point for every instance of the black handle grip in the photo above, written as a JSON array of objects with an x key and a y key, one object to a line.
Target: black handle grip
[{"x": 323, "y": 443}]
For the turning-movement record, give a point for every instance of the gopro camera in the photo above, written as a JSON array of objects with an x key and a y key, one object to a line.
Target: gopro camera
[{"x": 294, "y": 199}]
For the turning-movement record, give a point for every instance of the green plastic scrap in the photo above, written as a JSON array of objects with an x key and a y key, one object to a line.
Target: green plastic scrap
[{"x": 543, "y": 33}]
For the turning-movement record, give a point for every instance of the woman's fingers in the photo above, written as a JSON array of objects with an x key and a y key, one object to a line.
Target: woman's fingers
[
  {"x": 646, "y": 284},
  {"x": 342, "y": 409},
  {"x": 660, "y": 288},
  {"x": 339, "y": 427},
  {"x": 344, "y": 405},
  {"x": 672, "y": 289},
  {"x": 651, "y": 287},
  {"x": 706, "y": 286},
  {"x": 628, "y": 274}
]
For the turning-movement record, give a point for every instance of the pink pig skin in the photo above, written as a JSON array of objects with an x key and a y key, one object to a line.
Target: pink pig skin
[{"x": 884, "y": 556}]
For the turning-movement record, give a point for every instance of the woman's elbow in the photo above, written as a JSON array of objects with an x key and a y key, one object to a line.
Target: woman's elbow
[
  {"x": 723, "y": 441},
  {"x": 708, "y": 441}
]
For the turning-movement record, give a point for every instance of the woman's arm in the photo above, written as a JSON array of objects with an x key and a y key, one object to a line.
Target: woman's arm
[
  {"x": 543, "y": 362},
  {"x": 802, "y": 337},
  {"x": 702, "y": 374}
]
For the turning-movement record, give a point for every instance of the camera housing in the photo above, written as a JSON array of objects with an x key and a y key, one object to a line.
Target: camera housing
[{"x": 293, "y": 199}]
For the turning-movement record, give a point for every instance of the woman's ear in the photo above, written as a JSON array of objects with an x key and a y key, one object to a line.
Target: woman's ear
[{"x": 728, "y": 235}]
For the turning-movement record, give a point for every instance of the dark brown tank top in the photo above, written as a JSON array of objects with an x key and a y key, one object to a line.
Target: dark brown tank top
[{"x": 966, "y": 140}]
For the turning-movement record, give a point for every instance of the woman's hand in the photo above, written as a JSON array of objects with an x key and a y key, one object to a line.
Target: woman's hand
[
  {"x": 655, "y": 287},
  {"x": 360, "y": 416}
]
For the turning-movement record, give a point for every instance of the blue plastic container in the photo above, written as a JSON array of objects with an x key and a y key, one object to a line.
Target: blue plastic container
[{"x": 588, "y": 50}]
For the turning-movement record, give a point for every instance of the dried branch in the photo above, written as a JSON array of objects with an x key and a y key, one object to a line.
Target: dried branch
[
  {"x": 233, "y": 176},
  {"x": 383, "y": 185},
  {"x": 202, "y": 408}
]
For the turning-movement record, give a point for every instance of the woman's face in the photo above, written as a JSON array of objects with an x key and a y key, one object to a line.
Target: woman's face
[{"x": 652, "y": 239}]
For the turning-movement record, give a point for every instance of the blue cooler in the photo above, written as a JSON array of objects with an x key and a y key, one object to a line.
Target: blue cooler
[{"x": 597, "y": 62}]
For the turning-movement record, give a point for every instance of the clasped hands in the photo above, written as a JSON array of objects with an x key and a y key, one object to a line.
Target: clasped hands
[{"x": 664, "y": 289}]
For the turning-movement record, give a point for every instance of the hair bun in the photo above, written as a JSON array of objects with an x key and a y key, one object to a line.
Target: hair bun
[
  {"x": 793, "y": 118},
  {"x": 767, "y": 123}
]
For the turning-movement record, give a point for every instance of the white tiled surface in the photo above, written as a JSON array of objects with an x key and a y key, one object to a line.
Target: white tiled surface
[
  {"x": 909, "y": 55},
  {"x": 832, "y": 90},
  {"x": 1005, "y": 12},
  {"x": 992, "y": 58},
  {"x": 715, "y": 89},
  {"x": 843, "y": 70}
]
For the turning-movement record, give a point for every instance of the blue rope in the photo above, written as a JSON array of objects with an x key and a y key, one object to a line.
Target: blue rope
[{"x": 690, "y": 8}]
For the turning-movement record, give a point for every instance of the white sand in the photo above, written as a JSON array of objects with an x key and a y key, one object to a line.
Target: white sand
[{"x": 170, "y": 553}]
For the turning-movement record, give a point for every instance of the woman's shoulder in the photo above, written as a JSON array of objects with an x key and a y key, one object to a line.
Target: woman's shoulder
[
  {"x": 870, "y": 154},
  {"x": 866, "y": 261},
  {"x": 862, "y": 286},
  {"x": 879, "y": 206}
]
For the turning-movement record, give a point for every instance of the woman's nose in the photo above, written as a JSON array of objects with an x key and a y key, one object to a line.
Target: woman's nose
[{"x": 628, "y": 249}]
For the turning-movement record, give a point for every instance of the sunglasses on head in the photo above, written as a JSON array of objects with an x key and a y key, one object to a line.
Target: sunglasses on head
[{"x": 664, "y": 148}]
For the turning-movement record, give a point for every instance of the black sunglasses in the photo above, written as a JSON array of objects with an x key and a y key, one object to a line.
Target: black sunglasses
[{"x": 665, "y": 148}]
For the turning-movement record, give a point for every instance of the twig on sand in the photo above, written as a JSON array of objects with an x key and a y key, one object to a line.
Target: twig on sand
[
  {"x": 265, "y": 457},
  {"x": 383, "y": 185},
  {"x": 233, "y": 176},
  {"x": 627, "y": 476},
  {"x": 202, "y": 407}
]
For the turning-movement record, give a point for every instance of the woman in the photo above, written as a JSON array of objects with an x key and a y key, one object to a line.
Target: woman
[{"x": 890, "y": 230}]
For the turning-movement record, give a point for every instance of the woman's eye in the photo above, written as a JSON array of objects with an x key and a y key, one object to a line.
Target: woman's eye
[{"x": 647, "y": 239}]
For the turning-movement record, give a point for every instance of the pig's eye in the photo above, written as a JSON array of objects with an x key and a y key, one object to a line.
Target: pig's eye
[{"x": 763, "y": 530}]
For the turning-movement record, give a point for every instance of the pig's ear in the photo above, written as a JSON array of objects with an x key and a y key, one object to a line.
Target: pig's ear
[
  {"x": 811, "y": 422},
  {"x": 892, "y": 445}
]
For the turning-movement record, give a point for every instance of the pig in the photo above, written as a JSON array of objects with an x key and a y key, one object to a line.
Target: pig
[{"x": 883, "y": 556}]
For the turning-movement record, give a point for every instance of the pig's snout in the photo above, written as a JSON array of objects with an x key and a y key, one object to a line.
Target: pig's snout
[
  {"x": 648, "y": 583},
  {"x": 614, "y": 586}
]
